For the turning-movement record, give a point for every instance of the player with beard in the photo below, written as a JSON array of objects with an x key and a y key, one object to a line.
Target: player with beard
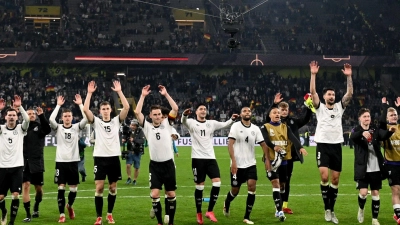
[
  {"x": 329, "y": 136},
  {"x": 294, "y": 124},
  {"x": 11, "y": 157},
  {"x": 203, "y": 157},
  {"x": 242, "y": 138},
  {"x": 33, "y": 160}
]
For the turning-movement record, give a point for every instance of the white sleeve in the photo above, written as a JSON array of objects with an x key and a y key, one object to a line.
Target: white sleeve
[
  {"x": 259, "y": 136},
  {"x": 186, "y": 122},
  {"x": 219, "y": 125},
  {"x": 232, "y": 132},
  {"x": 83, "y": 123},
  {"x": 53, "y": 123}
]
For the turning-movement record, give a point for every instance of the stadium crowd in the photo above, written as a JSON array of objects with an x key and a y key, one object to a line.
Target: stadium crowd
[
  {"x": 307, "y": 27},
  {"x": 224, "y": 93}
]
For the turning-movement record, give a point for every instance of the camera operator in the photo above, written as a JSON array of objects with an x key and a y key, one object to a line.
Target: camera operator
[{"x": 135, "y": 146}]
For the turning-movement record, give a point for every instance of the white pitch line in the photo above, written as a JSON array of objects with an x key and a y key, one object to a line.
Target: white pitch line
[
  {"x": 226, "y": 185},
  {"x": 191, "y": 196}
]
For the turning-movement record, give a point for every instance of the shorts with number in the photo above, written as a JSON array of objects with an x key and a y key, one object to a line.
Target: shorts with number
[
  {"x": 281, "y": 174},
  {"x": 394, "y": 174},
  {"x": 204, "y": 167},
  {"x": 107, "y": 167},
  {"x": 11, "y": 179},
  {"x": 162, "y": 173},
  {"x": 66, "y": 173},
  {"x": 373, "y": 179},
  {"x": 243, "y": 175},
  {"x": 133, "y": 159},
  {"x": 33, "y": 178},
  {"x": 329, "y": 155}
]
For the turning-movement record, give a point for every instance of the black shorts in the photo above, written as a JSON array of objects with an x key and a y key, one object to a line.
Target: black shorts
[
  {"x": 373, "y": 179},
  {"x": 11, "y": 179},
  {"x": 33, "y": 178},
  {"x": 281, "y": 174},
  {"x": 204, "y": 167},
  {"x": 329, "y": 155},
  {"x": 243, "y": 175},
  {"x": 162, "y": 173},
  {"x": 66, "y": 173},
  {"x": 107, "y": 167},
  {"x": 394, "y": 174}
]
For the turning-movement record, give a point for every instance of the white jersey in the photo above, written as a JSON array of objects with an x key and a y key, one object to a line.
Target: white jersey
[
  {"x": 245, "y": 139},
  {"x": 12, "y": 146},
  {"x": 159, "y": 140},
  {"x": 202, "y": 133},
  {"x": 67, "y": 142},
  {"x": 329, "y": 126},
  {"x": 107, "y": 137}
]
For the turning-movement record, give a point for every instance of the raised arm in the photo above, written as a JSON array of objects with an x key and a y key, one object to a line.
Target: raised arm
[
  {"x": 91, "y": 88},
  {"x": 53, "y": 123},
  {"x": 313, "y": 90},
  {"x": 46, "y": 129},
  {"x": 172, "y": 103},
  {"x": 220, "y": 125},
  {"x": 349, "y": 92},
  {"x": 382, "y": 119},
  {"x": 78, "y": 101},
  {"x": 138, "y": 111},
  {"x": 304, "y": 118},
  {"x": 125, "y": 105},
  {"x": 18, "y": 104},
  {"x": 184, "y": 118}
]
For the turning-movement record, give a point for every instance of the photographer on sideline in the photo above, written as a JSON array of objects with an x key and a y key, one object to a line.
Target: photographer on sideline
[{"x": 135, "y": 150}]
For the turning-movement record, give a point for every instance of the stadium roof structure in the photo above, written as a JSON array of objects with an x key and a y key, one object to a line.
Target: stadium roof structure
[{"x": 212, "y": 59}]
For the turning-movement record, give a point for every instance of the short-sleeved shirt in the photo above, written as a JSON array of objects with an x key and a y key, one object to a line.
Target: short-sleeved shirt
[
  {"x": 107, "y": 137},
  {"x": 245, "y": 139}
]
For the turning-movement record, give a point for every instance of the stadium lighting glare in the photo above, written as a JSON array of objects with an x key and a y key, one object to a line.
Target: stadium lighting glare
[{"x": 121, "y": 74}]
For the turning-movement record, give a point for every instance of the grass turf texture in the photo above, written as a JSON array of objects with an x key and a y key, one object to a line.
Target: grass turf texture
[{"x": 133, "y": 202}]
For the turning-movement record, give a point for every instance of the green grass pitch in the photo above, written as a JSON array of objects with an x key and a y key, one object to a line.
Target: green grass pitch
[{"x": 133, "y": 202}]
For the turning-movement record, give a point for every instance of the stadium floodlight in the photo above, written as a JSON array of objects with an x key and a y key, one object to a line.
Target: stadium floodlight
[{"x": 120, "y": 74}]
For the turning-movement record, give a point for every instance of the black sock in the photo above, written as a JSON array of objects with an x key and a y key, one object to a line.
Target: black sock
[
  {"x": 251, "y": 198},
  {"x": 38, "y": 200},
  {"x": 61, "y": 201},
  {"x": 361, "y": 201},
  {"x": 166, "y": 205},
  {"x": 27, "y": 206},
  {"x": 198, "y": 197},
  {"x": 285, "y": 195},
  {"x": 276, "y": 195},
  {"x": 157, "y": 209},
  {"x": 325, "y": 195},
  {"x": 98, "y": 201},
  {"x": 71, "y": 198},
  {"x": 332, "y": 197},
  {"x": 3, "y": 205},
  {"x": 111, "y": 202},
  {"x": 171, "y": 209},
  {"x": 14, "y": 209},
  {"x": 213, "y": 198},
  {"x": 229, "y": 198},
  {"x": 376, "y": 204}
]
